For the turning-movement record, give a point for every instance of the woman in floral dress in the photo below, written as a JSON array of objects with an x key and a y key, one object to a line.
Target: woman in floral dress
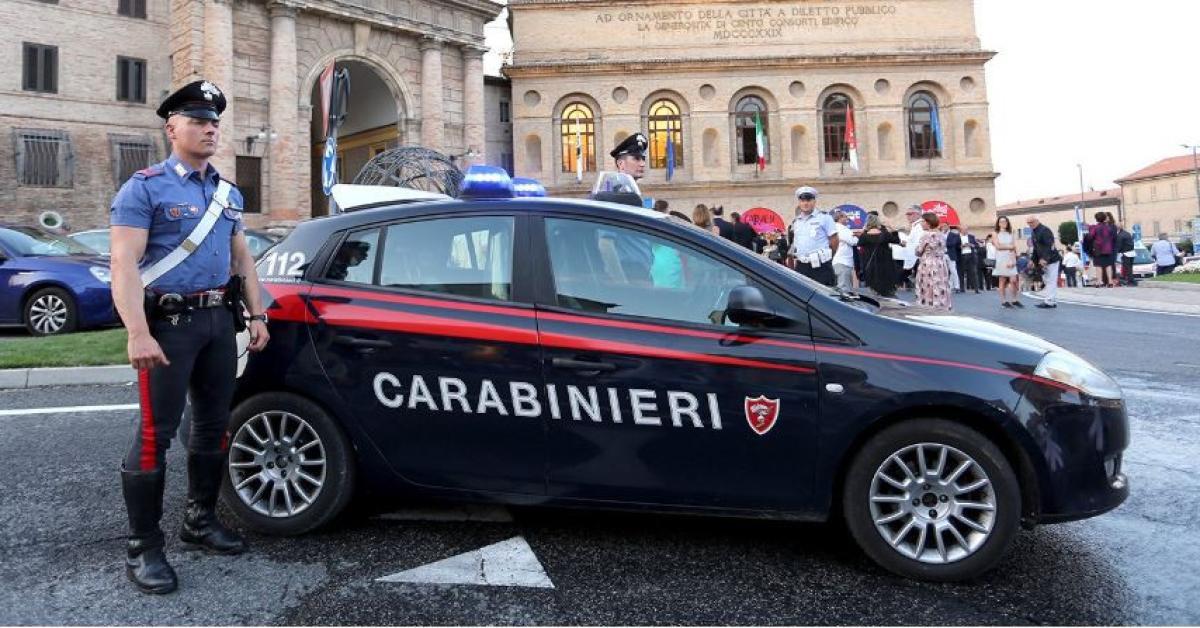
[{"x": 933, "y": 271}]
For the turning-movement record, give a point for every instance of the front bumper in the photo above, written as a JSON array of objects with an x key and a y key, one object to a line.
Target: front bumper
[{"x": 1078, "y": 445}]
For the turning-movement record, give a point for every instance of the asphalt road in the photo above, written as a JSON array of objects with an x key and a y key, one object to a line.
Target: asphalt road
[{"x": 61, "y": 527}]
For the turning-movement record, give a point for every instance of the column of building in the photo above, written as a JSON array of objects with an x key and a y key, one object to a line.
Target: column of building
[
  {"x": 474, "y": 138},
  {"x": 432, "y": 122},
  {"x": 218, "y": 68},
  {"x": 283, "y": 164}
]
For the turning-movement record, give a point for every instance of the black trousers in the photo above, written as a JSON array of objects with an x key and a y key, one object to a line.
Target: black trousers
[
  {"x": 203, "y": 353},
  {"x": 1127, "y": 271},
  {"x": 822, "y": 274},
  {"x": 968, "y": 273},
  {"x": 1071, "y": 281}
]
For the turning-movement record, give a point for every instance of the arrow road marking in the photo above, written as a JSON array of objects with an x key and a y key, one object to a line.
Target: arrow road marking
[
  {"x": 510, "y": 563},
  {"x": 68, "y": 409}
]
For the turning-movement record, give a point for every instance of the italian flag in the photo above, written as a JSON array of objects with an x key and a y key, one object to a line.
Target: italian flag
[
  {"x": 760, "y": 142},
  {"x": 851, "y": 137}
]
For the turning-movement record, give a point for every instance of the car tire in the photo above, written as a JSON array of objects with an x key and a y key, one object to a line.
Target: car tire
[
  {"x": 878, "y": 509},
  {"x": 265, "y": 491},
  {"x": 50, "y": 311}
]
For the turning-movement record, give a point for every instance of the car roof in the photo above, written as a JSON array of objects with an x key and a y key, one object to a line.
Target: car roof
[{"x": 389, "y": 210}]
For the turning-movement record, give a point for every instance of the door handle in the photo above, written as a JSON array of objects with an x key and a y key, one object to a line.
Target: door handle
[
  {"x": 583, "y": 365},
  {"x": 362, "y": 343}
]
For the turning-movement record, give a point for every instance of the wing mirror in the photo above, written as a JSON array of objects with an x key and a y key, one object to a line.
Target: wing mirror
[{"x": 747, "y": 306}]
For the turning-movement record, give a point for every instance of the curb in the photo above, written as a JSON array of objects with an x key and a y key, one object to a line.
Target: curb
[
  {"x": 67, "y": 376},
  {"x": 1169, "y": 285}
]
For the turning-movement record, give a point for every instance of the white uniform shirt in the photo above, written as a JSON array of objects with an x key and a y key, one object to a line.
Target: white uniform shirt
[{"x": 846, "y": 243}]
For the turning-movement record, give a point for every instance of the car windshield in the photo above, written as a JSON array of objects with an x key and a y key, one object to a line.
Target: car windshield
[
  {"x": 1143, "y": 256},
  {"x": 32, "y": 241}
]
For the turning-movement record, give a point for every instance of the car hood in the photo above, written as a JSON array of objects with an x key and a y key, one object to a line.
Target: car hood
[{"x": 966, "y": 326}]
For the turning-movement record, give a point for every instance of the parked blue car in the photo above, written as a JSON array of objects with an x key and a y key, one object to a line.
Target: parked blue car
[{"x": 51, "y": 284}]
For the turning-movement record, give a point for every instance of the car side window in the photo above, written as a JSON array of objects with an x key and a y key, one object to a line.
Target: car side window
[
  {"x": 614, "y": 270},
  {"x": 354, "y": 261},
  {"x": 470, "y": 257}
]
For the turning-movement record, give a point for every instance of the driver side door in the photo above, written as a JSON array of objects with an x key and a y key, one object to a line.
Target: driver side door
[{"x": 659, "y": 398}]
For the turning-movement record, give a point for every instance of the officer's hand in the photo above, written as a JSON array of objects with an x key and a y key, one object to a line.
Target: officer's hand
[
  {"x": 144, "y": 352},
  {"x": 258, "y": 335}
]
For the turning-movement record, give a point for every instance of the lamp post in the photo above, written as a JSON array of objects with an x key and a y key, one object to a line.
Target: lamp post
[{"x": 1196, "y": 169}]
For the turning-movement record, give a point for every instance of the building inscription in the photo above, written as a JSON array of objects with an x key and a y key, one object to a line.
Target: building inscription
[{"x": 754, "y": 22}]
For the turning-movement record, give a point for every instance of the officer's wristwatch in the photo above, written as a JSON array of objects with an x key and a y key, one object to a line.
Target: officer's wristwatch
[{"x": 259, "y": 317}]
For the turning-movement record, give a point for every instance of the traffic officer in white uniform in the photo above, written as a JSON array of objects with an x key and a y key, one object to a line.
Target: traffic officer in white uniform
[
  {"x": 814, "y": 239},
  {"x": 176, "y": 241}
]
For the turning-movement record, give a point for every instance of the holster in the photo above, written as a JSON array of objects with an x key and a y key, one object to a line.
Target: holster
[{"x": 235, "y": 294}]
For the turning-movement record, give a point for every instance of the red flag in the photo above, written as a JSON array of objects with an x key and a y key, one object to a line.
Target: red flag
[
  {"x": 851, "y": 136},
  {"x": 326, "y": 82}
]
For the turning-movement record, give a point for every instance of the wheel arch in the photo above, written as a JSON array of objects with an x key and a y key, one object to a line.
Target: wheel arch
[{"x": 988, "y": 426}]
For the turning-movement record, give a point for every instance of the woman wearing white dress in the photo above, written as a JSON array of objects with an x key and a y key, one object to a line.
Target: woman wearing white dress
[{"x": 1005, "y": 270}]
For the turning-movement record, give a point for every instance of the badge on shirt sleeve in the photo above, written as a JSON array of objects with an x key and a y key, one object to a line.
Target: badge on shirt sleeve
[
  {"x": 233, "y": 212},
  {"x": 176, "y": 211}
]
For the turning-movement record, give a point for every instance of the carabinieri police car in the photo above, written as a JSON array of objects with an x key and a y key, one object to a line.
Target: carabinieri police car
[{"x": 518, "y": 349}]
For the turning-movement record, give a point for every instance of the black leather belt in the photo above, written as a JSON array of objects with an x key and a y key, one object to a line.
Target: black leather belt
[{"x": 175, "y": 302}]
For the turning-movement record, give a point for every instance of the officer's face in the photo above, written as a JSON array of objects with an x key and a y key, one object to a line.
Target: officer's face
[
  {"x": 194, "y": 136},
  {"x": 806, "y": 205},
  {"x": 632, "y": 165}
]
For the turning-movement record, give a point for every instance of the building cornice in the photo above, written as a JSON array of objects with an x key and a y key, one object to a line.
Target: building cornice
[
  {"x": 353, "y": 12},
  {"x": 828, "y": 184},
  {"x": 591, "y": 66},
  {"x": 1189, "y": 173},
  {"x": 1112, "y": 201}
]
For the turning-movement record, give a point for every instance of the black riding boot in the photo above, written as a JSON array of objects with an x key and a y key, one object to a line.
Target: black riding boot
[
  {"x": 201, "y": 529},
  {"x": 146, "y": 562}
]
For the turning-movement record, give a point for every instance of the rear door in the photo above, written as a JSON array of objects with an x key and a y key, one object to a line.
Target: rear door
[
  {"x": 423, "y": 331},
  {"x": 659, "y": 399}
]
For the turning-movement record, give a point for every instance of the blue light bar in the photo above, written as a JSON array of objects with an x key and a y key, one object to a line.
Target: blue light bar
[
  {"x": 486, "y": 182},
  {"x": 527, "y": 187}
]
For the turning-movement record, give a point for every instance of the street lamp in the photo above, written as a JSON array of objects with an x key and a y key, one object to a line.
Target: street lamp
[{"x": 1196, "y": 168}]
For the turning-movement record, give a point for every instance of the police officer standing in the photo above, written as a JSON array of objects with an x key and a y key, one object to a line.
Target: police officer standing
[
  {"x": 176, "y": 240},
  {"x": 630, "y": 156},
  {"x": 814, "y": 238}
]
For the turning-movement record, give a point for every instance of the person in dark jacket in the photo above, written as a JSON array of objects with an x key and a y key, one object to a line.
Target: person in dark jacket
[
  {"x": 1126, "y": 254},
  {"x": 741, "y": 232},
  {"x": 1101, "y": 243},
  {"x": 724, "y": 226},
  {"x": 968, "y": 265},
  {"x": 880, "y": 271},
  {"x": 954, "y": 252},
  {"x": 1047, "y": 258}
]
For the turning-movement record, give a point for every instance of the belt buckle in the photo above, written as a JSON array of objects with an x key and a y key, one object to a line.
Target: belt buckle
[{"x": 170, "y": 299}]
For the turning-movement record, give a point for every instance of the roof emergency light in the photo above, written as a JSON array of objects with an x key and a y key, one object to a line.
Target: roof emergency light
[
  {"x": 524, "y": 188},
  {"x": 486, "y": 182}
]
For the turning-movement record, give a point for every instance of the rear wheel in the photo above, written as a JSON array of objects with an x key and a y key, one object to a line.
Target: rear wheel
[
  {"x": 290, "y": 467},
  {"x": 50, "y": 311},
  {"x": 932, "y": 499}
]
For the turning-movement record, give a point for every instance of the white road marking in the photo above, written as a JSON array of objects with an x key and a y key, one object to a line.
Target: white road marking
[
  {"x": 68, "y": 409},
  {"x": 466, "y": 512},
  {"x": 1111, "y": 307},
  {"x": 510, "y": 563}
]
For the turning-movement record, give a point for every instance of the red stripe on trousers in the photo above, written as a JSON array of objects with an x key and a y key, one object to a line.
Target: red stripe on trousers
[{"x": 148, "y": 457}]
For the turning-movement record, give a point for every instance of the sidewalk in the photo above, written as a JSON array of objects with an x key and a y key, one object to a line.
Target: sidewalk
[
  {"x": 1167, "y": 298},
  {"x": 67, "y": 376}
]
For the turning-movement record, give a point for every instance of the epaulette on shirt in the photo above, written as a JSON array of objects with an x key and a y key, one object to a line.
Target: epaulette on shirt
[{"x": 152, "y": 171}]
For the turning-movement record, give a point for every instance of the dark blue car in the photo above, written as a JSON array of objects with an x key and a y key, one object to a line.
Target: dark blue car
[
  {"x": 51, "y": 284},
  {"x": 593, "y": 355}
]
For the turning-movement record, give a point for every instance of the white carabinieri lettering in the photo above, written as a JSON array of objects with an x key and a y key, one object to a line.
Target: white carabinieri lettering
[{"x": 646, "y": 407}]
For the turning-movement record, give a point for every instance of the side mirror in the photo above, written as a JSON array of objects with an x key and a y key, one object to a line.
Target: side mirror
[{"x": 748, "y": 307}]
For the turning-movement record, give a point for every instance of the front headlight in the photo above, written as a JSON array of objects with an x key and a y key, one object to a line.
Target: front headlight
[
  {"x": 1074, "y": 371},
  {"x": 101, "y": 273}
]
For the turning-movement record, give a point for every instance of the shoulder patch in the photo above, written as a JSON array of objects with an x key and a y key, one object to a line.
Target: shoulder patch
[{"x": 146, "y": 173}]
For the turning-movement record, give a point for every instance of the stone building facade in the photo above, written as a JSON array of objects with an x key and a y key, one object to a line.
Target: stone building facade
[
  {"x": 1162, "y": 198},
  {"x": 590, "y": 72},
  {"x": 1055, "y": 210},
  {"x": 68, "y": 139}
]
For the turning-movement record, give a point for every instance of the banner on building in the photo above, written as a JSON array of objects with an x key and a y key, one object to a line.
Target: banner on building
[
  {"x": 856, "y": 214},
  {"x": 944, "y": 211},
  {"x": 764, "y": 220}
]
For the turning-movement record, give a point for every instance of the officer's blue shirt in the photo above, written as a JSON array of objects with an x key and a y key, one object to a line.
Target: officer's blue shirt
[{"x": 168, "y": 200}]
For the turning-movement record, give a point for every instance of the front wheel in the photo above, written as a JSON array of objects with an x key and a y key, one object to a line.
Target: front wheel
[
  {"x": 932, "y": 499},
  {"x": 50, "y": 311},
  {"x": 290, "y": 467}
]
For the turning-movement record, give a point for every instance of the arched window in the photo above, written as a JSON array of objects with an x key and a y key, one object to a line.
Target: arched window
[
  {"x": 665, "y": 122},
  {"x": 578, "y": 129},
  {"x": 750, "y": 110},
  {"x": 833, "y": 127},
  {"x": 922, "y": 120}
]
